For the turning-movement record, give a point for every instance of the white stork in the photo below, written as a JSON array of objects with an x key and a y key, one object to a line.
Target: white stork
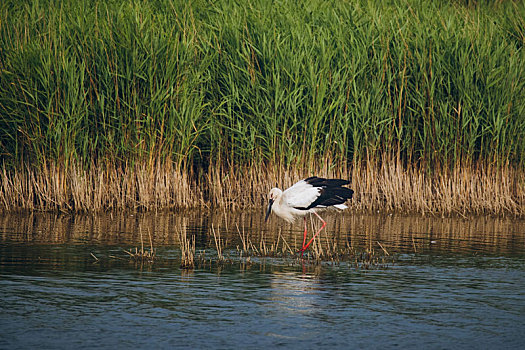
[{"x": 308, "y": 196}]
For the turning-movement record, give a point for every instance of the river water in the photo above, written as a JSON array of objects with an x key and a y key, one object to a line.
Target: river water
[{"x": 66, "y": 282}]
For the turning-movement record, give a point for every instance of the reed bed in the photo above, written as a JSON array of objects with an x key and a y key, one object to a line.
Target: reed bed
[
  {"x": 390, "y": 187},
  {"x": 147, "y": 105},
  {"x": 324, "y": 250}
]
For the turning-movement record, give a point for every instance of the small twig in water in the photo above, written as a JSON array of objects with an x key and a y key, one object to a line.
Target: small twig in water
[{"x": 386, "y": 252}]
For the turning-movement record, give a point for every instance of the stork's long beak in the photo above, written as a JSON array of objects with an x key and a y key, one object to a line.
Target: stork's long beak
[{"x": 269, "y": 210}]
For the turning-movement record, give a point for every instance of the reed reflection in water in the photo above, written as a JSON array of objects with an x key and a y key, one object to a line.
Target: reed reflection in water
[{"x": 401, "y": 234}]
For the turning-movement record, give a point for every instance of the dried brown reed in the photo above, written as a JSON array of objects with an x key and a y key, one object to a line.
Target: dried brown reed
[
  {"x": 218, "y": 242},
  {"x": 278, "y": 247},
  {"x": 187, "y": 247},
  {"x": 384, "y": 185},
  {"x": 325, "y": 248},
  {"x": 243, "y": 239},
  {"x": 143, "y": 255}
]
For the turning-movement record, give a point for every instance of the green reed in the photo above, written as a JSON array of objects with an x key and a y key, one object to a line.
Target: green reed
[{"x": 438, "y": 83}]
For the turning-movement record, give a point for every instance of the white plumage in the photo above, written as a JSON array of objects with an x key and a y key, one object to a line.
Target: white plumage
[{"x": 308, "y": 196}]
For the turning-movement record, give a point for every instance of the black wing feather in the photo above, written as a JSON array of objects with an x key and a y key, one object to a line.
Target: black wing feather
[
  {"x": 330, "y": 192},
  {"x": 320, "y": 182}
]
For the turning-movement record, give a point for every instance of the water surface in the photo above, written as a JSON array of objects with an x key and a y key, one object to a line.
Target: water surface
[{"x": 454, "y": 283}]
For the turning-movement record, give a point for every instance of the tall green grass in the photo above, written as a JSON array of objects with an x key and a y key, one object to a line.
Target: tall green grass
[{"x": 436, "y": 84}]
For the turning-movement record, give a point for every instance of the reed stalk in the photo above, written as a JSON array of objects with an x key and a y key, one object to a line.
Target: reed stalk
[
  {"x": 187, "y": 247},
  {"x": 218, "y": 243}
]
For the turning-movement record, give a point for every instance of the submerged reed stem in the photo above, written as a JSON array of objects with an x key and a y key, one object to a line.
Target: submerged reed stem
[
  {"x": 218, "y": 243},
  {"x": 142, "y": 254},
  {"x": 187, "y": 247}
]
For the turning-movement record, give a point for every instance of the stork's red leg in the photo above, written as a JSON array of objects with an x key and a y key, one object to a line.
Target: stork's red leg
[
  {"x": 305, "y": 232},
  {"x": 304, "y": 238},
  {"x": 311, "y": 240}
]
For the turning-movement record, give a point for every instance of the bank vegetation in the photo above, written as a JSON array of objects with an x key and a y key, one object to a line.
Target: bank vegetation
[{"x": 146, "y": 105}]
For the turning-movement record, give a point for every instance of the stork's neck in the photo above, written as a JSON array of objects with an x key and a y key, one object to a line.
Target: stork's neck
[{"x": 282, "y": 210}]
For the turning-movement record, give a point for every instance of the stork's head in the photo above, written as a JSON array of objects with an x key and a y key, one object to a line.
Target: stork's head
[{"x": 274, "y": 195}]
